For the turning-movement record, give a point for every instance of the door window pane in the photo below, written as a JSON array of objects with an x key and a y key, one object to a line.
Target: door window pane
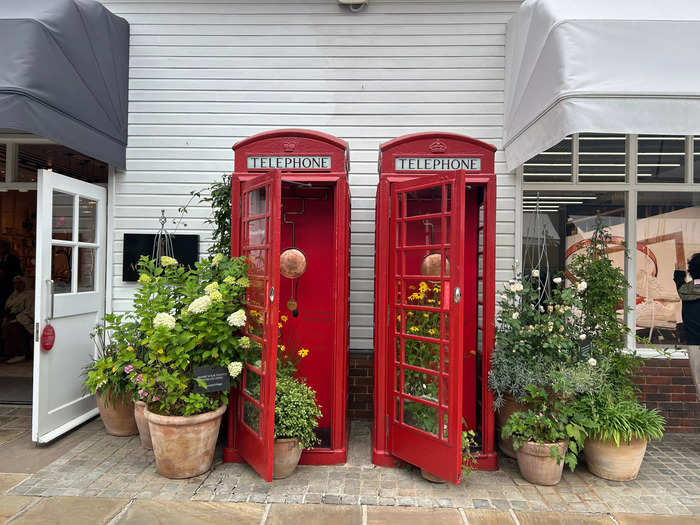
[
  {"x": 602, "y": 157},
  {"x": 62, "y": 216},
  {"x": 553, "y": 165},
  {"x": 420, "y": 416},
  {"x": 87, "y": 223},
  {"x": 86, "y": 269},
  {"x": 668, "y": 234},
  {"x": 61, "y": 274},
  {"x": 660, "y": 158},
  {"x": 257, "y": 202},
  {"x": 251, "y": 415}
]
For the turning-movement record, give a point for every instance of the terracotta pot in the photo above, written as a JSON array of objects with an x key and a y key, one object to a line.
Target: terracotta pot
[
  {"x": 509, "y": 407},
  {"x": 184, "y": 445},
  {"x": 607, "y": 460},
  {"x": 117, "y": 416},
  {"x": 431, "y": 477},
  {"x": 144, "y": 431},
  {"x": 286, "y": 458},
  {"x": 537, "y": 466}
]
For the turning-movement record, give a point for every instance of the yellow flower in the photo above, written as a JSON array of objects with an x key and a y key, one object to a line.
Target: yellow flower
[
  {"x": 398, "y": 317},
  {"x": 431, "y": 331},
  {"x": 144, "y": 278},
  {"x": 130, "y": 348},
  {"x": 215, "y": 355},
  {"x": 279, "y": 325},
  {"x": 283, "y": 348},
  {"x": 303, "y": 352},
  {"x": 114, "y": 369},
  {"x": 284, "y": 318},
  {"x": 426, "y": 315},
  {"x": 414, "y": 329},
  {"x": 410, "y": 314},
  {"x": 431, "y": 301},
  {"x": 414, "y": 297},
  {"x": 423, "y": 287},
  {"x": 161, "y": 351},
  {"x": 167, "y": 261}
]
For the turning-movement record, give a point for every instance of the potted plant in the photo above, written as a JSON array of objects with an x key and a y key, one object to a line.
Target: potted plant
[
  {"x": 190, "y": 319},
  {"x": 106, "y": 379},
  {"x": 552, "y": 431}
]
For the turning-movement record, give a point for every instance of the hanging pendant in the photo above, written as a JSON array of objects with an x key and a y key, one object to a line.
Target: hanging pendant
[{"x": 292, "y": 304}]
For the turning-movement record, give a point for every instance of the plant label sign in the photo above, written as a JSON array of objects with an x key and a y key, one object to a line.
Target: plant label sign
[{"x": 217, "y": 379}]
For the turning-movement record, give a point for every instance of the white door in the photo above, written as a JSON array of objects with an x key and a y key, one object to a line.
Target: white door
[{"x": 69, "y": 295}]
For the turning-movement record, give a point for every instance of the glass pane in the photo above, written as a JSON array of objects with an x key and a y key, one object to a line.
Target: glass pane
[
  {"x": 61, "y": 263},
  {"x": 252, "y": 384},
  {"x": 668, "y": 234},
  {"x": 255, "y": 322},
  {"x": 257, "y": 261},
  {"x": 256, "y": 292},
  {"x": 62, "y": 213},
  {"x": 425, "y": 355},
  {"x": 422, "y": 323},
  {"x": 420, "y": 416},
  {"x": 553, "y": 165},
  {"x": 565, "y": 220},
  {"x": 660, "y": 158},
  {"x": 257, "y": 201},
  {"x": 423, "y": 202},
  {"x": 602, "y": 157},
  {"x": 86, "y": 269},
  {"x": 422, "y": 232},
  {"x": 256, "y": 232},
  {"x": 254, "y": 353},
  {"x": 251, "y": 415},
  {"x": 420, "y": 384},
  {"x": 88, "y": 220}
]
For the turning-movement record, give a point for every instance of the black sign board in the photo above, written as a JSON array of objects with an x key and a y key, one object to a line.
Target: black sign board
[
  {"x": 185, "y": 250},
  {"x": 586, "y": 346},
  {"x": 217, "y": 379}
]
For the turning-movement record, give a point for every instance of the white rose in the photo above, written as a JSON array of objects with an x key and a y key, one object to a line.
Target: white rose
[
  {"x": 513, "y": 288},
  {"x": 535, "y": 273},
  {"x": 164, "y": 320},
  {"x": 199, "y": 305},
  {"x": 582, "y": 286},
  {"x": 516, "y": 315},
  {"x": 592, "y": 362},
  {"x": 519, "y": 287},
  {"x": 582, "y": 337},
  {"x": 557, "y": 280},
  {"x": 237, "y": 318}
]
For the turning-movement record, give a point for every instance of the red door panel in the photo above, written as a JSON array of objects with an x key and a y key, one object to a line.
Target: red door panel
[
  {"x": 260, "y": 243},
  {"x": 426, "y": 283}
]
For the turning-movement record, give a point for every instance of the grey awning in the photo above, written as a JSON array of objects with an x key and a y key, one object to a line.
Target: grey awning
[{"x": 64, "y": 67}]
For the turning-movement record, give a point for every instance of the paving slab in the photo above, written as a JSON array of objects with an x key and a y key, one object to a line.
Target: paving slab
[
  {"x": 144, "y": 512},
  {"x": 66, "y": 510},
  {"x": 562, "y": 518},
  {"x": 655, "y": 519},
  {"x": 7, "y": 480},
  {"x": 414, "y": 516},
  {"x": 11, "y": 505},
  {"x": 303, "y": 514},
  {"x": 488, "y": 517}
]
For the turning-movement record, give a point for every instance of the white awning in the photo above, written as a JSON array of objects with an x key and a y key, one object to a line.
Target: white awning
[{"x": 608, "y": 66}]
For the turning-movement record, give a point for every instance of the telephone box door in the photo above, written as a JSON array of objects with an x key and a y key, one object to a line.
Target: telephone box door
[
  {"x": 427, "y": 274},
  {"x": 260, "y": 243}
]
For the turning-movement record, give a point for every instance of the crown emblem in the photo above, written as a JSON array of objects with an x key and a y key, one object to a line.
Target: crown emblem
[
  {"x": 437, "y": 147},
  {"x": 289, "y": 146}
]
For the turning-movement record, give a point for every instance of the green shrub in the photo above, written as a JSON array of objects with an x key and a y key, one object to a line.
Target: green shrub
[{"x": 296, "y": 411}]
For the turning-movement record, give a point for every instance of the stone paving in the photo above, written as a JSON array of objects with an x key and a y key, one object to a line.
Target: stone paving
[{"x": 112, "y": 467}]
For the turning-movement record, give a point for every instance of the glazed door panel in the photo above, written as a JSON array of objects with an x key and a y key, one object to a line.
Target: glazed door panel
[
  {"x": 426, "y": 312},
  {"x": 260, "y": 243}
]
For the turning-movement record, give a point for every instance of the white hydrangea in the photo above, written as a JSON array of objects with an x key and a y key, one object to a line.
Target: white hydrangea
[
  {"x": 217, "y": 259},
  {"x": 557, "y": 280},
  {"x": 164, "y": 320},
  {"x": 516, "y": 315},
  {"x": 592, "y": 361},
  {"x": 199, "y": 305},
  {"x": 237, "y": 318},
  {"x": 245, "y": 342},
  {"x": 582, "y": 286},
  {"x": 535, "y": 273},
  {"x": 216, "y": 296},
  {"x": 235, "y": 368},
  {"x": 211, "y": 287},
  {"x": 167, "y": 261}
]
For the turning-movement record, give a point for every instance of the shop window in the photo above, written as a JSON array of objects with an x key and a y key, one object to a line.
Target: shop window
[
  {"x": 602, "y": 157},
  {"x": 553, "y": 165},
  {"x": 668, "y": 233},
  {"x": 33, "y": 157},
  {"x": 660, "y": 159}
]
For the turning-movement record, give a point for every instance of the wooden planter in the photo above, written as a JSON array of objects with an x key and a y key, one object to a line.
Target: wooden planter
[
  {"x": 184, "y": 445},
  {"x": 536, "y": 464},
  {"x": 117, "y": 415},
  {"x": 607, "y": 460}
]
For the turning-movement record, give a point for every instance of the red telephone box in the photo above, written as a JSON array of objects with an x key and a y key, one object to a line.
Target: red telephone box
[
  {"x": 290, "y": 217},
  {"x": 434, "y": 301}
]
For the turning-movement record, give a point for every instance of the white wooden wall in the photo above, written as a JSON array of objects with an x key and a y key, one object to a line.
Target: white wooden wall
[{"x": 205, "y": 74}]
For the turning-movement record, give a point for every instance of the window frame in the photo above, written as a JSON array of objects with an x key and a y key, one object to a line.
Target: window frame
[{"x": 631, "y": 187}]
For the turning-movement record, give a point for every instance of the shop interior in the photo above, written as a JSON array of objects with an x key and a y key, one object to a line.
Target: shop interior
[{"x": 19, "y": 164}]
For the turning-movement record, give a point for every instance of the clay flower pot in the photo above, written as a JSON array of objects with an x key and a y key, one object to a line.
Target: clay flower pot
[
  {"x": 144, "y": 431},
  {"x": 431, "y": 477},
  {"x": 607, "y": 460},
  {"x": 537, "y": 466},
  {"x": 509, "y": 407},
  {"x": 184, "y": 445},
  {"x": 286, "y": 457},
  {"x": 117, "y": 415}
]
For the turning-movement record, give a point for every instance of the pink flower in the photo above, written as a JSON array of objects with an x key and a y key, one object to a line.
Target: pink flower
[
  {"x": 128, "y": 369},
  {"x": 139, "y": 378},
  {"x": 140, "y": 392},
  {"x": 155, "y": 398}
]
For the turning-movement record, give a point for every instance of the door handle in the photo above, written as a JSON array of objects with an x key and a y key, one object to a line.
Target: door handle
[
  {"x": 50, "y": 284},
  {"x": 458, "y": 295},
  {"x": 272, "y": 294}
]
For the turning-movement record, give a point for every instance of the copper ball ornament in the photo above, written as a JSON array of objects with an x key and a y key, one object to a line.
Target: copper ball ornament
[
  {"x": 292, "y": 263},
  {"x": 432, "y": 265}
]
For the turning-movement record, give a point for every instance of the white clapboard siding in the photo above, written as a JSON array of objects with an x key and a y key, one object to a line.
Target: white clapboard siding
[{"x": 205, "y": 74}]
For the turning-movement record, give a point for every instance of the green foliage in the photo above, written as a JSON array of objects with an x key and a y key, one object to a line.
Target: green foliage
[
  {"x": 296, "y": 411},
  {"x": 186, "y": 318},
  {"x": 219, "y": 198},
  {"x": 105, "y": 374},
  {"x": 468, "y": 443}
]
